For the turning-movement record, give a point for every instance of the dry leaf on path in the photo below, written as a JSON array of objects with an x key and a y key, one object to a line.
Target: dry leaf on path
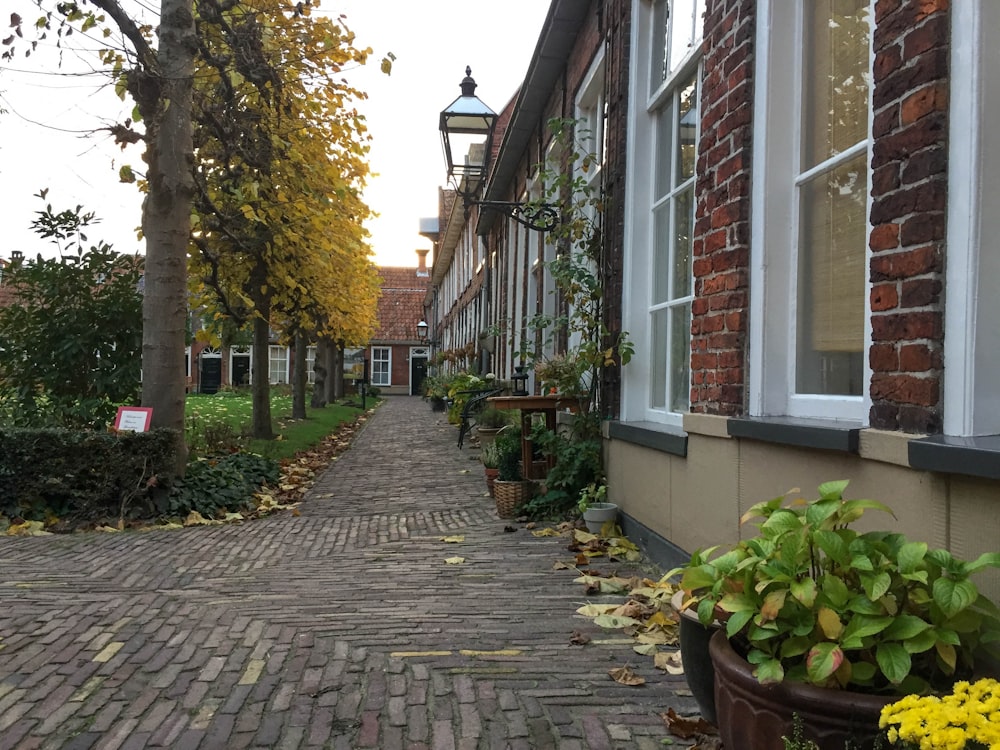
[
  {"x": 453, "y": 539},
  {"x": 579, "y": 639},
  {"x": 625, "y": 676},
  {"x": 454, "y": 560},
  {"x": 669, "y": 661},
  {"x": 686, "y": 727}
]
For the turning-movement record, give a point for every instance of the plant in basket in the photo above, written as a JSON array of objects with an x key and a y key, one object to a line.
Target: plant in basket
[
  {"x": 489, "y": 454},
  {"x": 509, "y": 490}
]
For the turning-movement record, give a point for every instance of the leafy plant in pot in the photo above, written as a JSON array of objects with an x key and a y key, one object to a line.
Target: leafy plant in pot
[
  {"x": 510, "y": 490},
  {"x": 813, "y": 609},
  {"x": 490, "y": 457},
  {"x": 489, "y": 422},
  {"x": 595, "y": 508}
]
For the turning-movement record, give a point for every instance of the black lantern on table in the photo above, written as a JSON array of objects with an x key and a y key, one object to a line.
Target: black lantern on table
[{"x": 519, "y": 382}]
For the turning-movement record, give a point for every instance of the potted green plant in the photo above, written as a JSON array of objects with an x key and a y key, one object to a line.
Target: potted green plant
[
  {"x": 594, "y": 507},
  {"x": 489, "y": 422},
  {"x": 510, "y": 490},
  {"x": 489, "y": 454},
  {"x": 813, "y": 609}
]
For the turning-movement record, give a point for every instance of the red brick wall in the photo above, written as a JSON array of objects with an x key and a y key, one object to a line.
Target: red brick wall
[
  {"x": 909, "y": 193},
  {"x": 618, "y": 21},
  {"x": 719, "y": 323}
]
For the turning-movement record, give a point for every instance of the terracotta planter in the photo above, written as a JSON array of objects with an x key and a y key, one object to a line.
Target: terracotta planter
[
  {"x": 698, "y": 670},
  {"x": 491, "y": 477},
  {"x": 752, "y": 716}
]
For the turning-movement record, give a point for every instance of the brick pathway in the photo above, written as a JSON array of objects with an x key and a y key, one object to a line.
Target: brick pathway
[{"x": 340, "y": 628}]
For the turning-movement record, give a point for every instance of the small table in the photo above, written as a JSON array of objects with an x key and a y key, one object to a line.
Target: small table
[{"x": 528, "y": 405}]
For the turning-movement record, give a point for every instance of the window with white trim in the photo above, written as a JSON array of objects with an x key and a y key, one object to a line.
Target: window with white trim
[
  {"x": 277, "y": 364},
  {"x": 311, "y": 364},
  {"x": 972, "y": 338},
  {"x": 381, "y": 366},
  {"x": 809, "y": 328},
  {"x": 659, "y": 233}
]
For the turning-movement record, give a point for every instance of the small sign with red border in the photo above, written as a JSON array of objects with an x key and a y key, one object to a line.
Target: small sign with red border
[{"x": 133, "y": 418}]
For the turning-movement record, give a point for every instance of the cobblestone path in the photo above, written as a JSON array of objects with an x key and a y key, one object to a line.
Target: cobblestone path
[{"x": 339, "y": 628}]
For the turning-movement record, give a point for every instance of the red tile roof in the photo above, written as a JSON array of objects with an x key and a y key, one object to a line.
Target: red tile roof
[{"x": 401, "y": 305}]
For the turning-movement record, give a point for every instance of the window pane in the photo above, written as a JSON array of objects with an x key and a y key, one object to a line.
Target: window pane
[
  {"x": 831, "y": 282},
  {"x": 683, "y": 213},
  {"x": 686, "y": 131},
  {"x": 658, "y": 60},
  {"x": 664, "y": 149},
  {"x": 836, "y": 77},
  {"x": 658, "y": 363},
  {"x": 662, "y": 253},
  {"x": 680, "y": 357}
]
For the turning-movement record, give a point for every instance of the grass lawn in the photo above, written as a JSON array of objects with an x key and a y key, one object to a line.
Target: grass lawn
[{"x": 223, "y": 420}]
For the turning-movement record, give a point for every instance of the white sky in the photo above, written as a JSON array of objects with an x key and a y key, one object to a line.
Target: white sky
[{"x": 44, "y": 140}]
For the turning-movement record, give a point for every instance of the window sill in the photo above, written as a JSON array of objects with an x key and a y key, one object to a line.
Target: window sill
[
  {"x": 822, "y": 434},
  {"x": 973, "y": 456},
  {"x": 653, "y": 435}
]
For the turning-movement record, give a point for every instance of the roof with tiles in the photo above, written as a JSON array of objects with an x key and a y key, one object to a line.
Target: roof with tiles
[{"x": 401, "y": 305}]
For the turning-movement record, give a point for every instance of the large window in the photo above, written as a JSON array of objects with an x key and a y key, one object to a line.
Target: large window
[
  {"x": 381, "y": 366},
  {"x": 658, "y": 289},
  {"x": 277, "y": 360},
  {"x": 810, "y": 215}
]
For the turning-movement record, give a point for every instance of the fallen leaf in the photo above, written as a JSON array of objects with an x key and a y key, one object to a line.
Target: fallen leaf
[
  {"x": 686, "y": 727},
  {"x": 613, "y": 622},
  {"x": 194, "y": 518},
  {"x": 579, "y": 639},
  {"x": 545, "y": 532},
  {"x": 669, "y": 662},
  {"x": 509, "y": 529},
  {"x": 561, "y": 566},
  {"x": 625, "y": 676},
  {"x": 530, "y": 526},
  {"x": 647, "y": 649},
  {"x": 593, "y": 610},
  {"x": 454, "y": 560},
  {"x": 453, "y": 539}
]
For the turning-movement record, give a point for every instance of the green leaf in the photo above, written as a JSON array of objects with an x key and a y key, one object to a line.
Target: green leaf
[
  {"x": 738, "y": 603},
  {"x": 875, "y": 586},
  {"x": 910, "y": 556},
  {"x": 833, "y": 545},
  {"x": 894, "y": 661},
  {"x": 835, "y": 590},
  {"x": 769, "y": 671},
  {"x": 863, "y": 626},
  {"x": 782, "y": 520},
  {"x": 862, "y": 672},
  {"x": 905, "y": 627},
  {"x": 833, "y": 490},
  {"x": 804, "y": 591},
  {"x": 737, "y": 622},
  {"x": 795, "y": 647},
  {"x": 953, "y": 596},
  {"x": 921, "y": 642},
  {"x": 991, "y": 559},
  {"x": 823, "y": 660}
]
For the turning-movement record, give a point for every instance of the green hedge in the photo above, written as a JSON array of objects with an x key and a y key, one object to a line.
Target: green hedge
[{"x": 82, "y": 476}]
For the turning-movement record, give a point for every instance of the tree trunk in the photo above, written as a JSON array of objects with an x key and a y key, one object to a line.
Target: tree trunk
[
  {"x": 262, "y": 428},
  {"x": 320, "y": 367},
  {"x": 338, "y": 370},
  {"x": 166, "y": 220},
  {"x": 299, "y": 377}
]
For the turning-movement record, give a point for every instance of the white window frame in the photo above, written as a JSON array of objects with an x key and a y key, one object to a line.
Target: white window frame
[
  {"x": 972, "y": 276},
  {"x": 310, "y": 364},
  {"x": 637, "y": 290},
  {"x": 386, "y": 381},
  {"x": 277, "y": 354},
  {"x": 775, "y": 227}
]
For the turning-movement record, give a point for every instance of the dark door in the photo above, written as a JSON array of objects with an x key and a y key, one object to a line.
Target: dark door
[
  {"x": 418, "y": 371},
  {"x": 241, "y": 370},
  {"x": 211, "y": 374}
]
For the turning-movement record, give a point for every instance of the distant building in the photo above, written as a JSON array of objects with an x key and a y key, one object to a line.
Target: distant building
[{"x": 397, "y": 357}]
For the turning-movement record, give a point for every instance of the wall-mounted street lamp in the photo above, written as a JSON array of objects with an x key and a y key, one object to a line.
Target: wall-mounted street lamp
[
  {"x": 422, "y": 333},
  {"x": 467, "y": 130}
]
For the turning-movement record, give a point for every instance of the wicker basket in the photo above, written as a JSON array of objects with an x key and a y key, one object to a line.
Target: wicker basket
[{"x": 510, "y": 496}]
